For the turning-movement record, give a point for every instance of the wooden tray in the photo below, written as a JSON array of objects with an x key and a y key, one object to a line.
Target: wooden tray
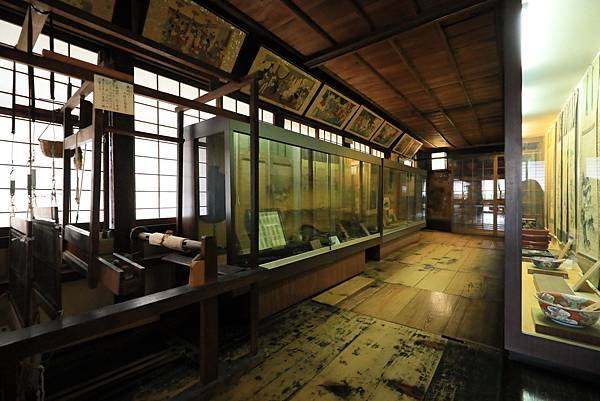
[
  {"x": 559, "y": 273},
  {"x": 543, "y": 325},
  {"x": 544, "y": 282}
]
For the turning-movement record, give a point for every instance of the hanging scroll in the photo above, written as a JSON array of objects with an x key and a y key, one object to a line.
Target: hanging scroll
[{"x": 589, "y": 171}]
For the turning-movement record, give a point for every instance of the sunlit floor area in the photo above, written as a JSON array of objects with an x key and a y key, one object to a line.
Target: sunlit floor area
[{"x": 445, "y": 284}]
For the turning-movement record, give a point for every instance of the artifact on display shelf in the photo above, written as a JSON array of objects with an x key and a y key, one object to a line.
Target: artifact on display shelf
[
  {"x": 386, "y": 135},
  {"x": 283, "y": 84},
  {"x": 270, "y": 230},
  {"x": 364, "y": 123},
  {"x": 408, "y": 146},
  {"x": 332, "y": 108},
  {"x": 100, "y": 8},
  {"x": 189, "y": 28}
]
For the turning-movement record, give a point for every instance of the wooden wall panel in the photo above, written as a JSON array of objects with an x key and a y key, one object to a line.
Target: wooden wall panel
[{"x": 282, "y": 294}]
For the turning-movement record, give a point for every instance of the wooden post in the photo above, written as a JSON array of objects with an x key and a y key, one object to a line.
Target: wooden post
[
  {"x": 254, "y": 171},
  {"x": 179, "y": 219},
  {"x": 106, "y": 225},
  {"x": 254, "y": 319},
  {"x": 98, "y": 126},
  {"x": 208, "y": 349},
  {"x": 8, "y": 380},
  {"x": 68, "y": 131}
]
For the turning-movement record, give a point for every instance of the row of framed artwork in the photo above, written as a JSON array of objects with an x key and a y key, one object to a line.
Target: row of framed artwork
[
  {"x": 188, "y": 28},
  {"x": 292, "y": 89},
  {"x": 572, "y": 177}
]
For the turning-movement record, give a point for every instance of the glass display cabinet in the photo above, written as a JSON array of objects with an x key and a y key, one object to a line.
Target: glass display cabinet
[
  {"x": 403, "y": 197},
  {"x": 314, "y": 197}
]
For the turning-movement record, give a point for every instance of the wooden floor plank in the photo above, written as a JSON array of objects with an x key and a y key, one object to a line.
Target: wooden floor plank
[
  {"x": 428, "y": 311},
  {"x": 387, "y": 302},
  {"x": 410, "y": 275},
  {"x": 411, "y": 370},
  {"x": 337, "y": 294},
  {"x": 469, "y": 285},
  {"x": 437, "y": 280},
  {"x": 317, "y": 345},
  {"x": 357, "y": 370},
  {"x": 476, "y": 320},
  {"x": 359, "y": 297}
]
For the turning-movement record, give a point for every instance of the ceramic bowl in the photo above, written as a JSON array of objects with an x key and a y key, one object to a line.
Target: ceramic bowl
[
  {"x": 565, "y": 309},
  {"x": 546, "y": 263}
]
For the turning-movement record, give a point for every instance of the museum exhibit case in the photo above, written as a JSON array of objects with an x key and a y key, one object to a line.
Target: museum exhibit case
[
  {"x": 403, "y": 196},
  {"x": 314, "y": 197},
  {"x": 559, "y": 227}
]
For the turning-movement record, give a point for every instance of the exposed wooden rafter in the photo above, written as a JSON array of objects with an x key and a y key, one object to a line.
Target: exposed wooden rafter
[
  {"x": 459, "y": 76},
  {"x": 222, "y": 91},
  {"x": 361, "y": 13},
  {"x": 438, "y": 14},
  {"x": 309, "y": 21},
  {"x": 398, "y": 50},
  {"x": 404, "y": 98}
]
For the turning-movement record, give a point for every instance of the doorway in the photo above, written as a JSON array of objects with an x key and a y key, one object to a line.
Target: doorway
[{"x": 478, "y": 194}]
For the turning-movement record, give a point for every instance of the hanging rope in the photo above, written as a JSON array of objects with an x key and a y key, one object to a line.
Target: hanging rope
[
  {"x": 53, "y": 201},
  {"x": 12, "y": 144}
]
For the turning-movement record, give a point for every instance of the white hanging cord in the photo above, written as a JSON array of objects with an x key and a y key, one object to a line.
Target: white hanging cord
[
  {"x": 79, "y": 181},
  {"x": 41, "y": 391}
]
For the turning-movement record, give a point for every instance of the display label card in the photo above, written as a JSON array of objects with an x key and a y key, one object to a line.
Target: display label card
[{"x": 113, "y": 95}]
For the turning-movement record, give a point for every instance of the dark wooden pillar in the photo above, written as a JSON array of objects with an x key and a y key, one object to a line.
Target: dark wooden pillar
[
  {"x": 122, "y": 162},
  {"x": 208, "y": 347},
  {"x": 98, "y": 126},
  {"x": 254, "y": 172}
]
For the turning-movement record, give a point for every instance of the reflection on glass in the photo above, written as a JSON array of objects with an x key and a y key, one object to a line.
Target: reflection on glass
[
  {"x": 308, "y": 200},
  {"x": 403, "y": 199}
]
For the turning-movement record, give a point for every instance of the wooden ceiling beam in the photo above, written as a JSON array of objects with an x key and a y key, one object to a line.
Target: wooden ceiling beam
[
  {"x": 361, "y": 13},
  {"x": 461, "y": 81},
  {"x": 438, "y": 14},
  {"x": 404, "y": 98},
  {"x": 463, "y": 107},
  {"x": 413, "y": 70},
  {"x": 222, "y": 90},
  {"x": 308, "y": 20}
]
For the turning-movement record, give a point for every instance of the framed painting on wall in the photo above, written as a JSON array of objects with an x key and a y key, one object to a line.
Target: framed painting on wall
[
  {"x": 364, "y": 123},
  {"x": 558, "y": 180},
  {"x": 550, "y": 151},
  {"x": 283, "y": 84},
  {"x": 332, "y": 108},
  {"x": 187, "y": 27},
  {"x": 99, "y": 8},
  {"x": 386, "y": 135},
  {"x": 407, "y": 146}
]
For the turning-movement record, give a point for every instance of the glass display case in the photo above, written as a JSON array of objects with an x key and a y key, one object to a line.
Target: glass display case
[
  {"x": 313, "y": 196},
  {"x": 403, "y": 197}
]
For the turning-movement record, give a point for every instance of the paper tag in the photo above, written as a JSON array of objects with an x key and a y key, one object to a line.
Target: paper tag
[{"x": 113, "y": 95}]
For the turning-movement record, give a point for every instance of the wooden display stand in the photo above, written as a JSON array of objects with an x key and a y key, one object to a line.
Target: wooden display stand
[
  {"x": 557, "y": 272},
  {"x": 535, "y": 323}
]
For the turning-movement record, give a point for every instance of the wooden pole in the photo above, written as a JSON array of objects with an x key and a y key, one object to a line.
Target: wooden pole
[
  {"x": 254, "y": 171},
  {"x": 98, "y": 124}
]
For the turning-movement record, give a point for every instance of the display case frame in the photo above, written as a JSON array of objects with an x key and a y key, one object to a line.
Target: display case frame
[
  {"x": 397, "y": 232},
  {"x": 195, "y": 133}
]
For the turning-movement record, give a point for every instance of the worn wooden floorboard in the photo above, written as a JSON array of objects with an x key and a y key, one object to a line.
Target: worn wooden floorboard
[
  {"x": 428, "y": 311},
  {"x": 337, "y": 294},
  {"x": 466, "y": 373},
  {"x": 387, "y": 303},
  {"x": 312, "y": 350}
]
